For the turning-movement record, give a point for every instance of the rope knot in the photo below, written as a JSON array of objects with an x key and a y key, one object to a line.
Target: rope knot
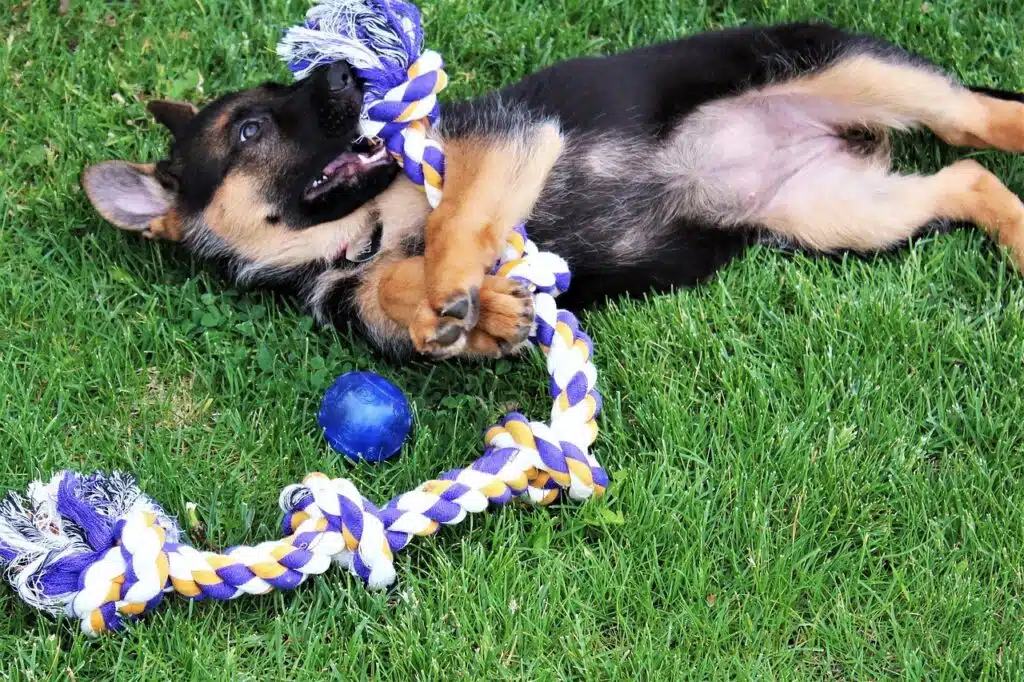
[
  {"x": 127, "y": 579},
  {"x": 383, "y": 42},
  {"x": 92, "y": 547},
  {"x": 332, "y": 510}
]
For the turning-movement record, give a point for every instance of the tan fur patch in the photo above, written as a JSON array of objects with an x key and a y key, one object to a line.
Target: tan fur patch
[
  {"x": 167, "y": 226},
  {"x": 971, "y": 192},
  {"x": 223, "y": 121},
  {"x": 869, "y": 209},
  {"x": 902, "y": 95},
  {"x": 238, "y": 215},
  {"x": 490, "y": 185},
  {"x": 897, "y": 95},
  {"x": 387, "y": 297},
  {"x": 403, "y": 210}
]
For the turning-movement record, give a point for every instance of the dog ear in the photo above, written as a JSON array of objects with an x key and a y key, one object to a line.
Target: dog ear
[
  {"x": 172, "y": 113},
  {"x": 129, "y": 196}
]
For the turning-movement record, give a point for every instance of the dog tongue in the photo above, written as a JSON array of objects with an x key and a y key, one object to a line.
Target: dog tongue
[{"x": 346, "y": 159}]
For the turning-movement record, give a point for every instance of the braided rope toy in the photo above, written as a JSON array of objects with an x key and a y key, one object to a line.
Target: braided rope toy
[
  {"x": 98, "y": 549},
  {"x": 382, "y": 40}
]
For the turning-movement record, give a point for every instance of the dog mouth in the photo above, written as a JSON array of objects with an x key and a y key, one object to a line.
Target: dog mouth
[
  {"x": 348, "y": 168},
  {"x": 348, "y": 256}
]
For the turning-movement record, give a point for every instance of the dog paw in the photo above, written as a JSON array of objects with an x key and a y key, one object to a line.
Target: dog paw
[
  {"x": 506, "y": 317},
  {"x": 438, "y": 337},
  {"x": 463, "y": 307},
  {"x": 443, "y": 333},
  {"x": 493, "y": 321}
]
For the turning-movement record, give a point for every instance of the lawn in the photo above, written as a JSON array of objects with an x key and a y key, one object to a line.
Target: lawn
[{"x": 816, "y": 463}]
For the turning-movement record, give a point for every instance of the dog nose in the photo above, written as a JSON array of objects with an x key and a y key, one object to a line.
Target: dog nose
[{"x": 339, "y": 77}]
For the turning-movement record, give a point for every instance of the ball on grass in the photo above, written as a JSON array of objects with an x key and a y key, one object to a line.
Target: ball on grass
[{"x": 365, "y": 417}]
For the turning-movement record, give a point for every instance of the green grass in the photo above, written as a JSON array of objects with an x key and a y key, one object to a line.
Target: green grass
[{"x": 817, "y": 464}]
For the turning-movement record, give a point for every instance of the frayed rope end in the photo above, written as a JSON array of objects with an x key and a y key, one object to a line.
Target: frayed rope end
[
  {"x": 51, "y": 536},
  {"x": 380, "y": 39}
]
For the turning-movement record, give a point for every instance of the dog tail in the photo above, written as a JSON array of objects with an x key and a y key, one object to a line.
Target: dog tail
[{"x": 999, "y": 94}]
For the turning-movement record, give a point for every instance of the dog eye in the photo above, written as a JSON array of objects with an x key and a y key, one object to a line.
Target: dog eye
[{"x": 249, "y": 130}]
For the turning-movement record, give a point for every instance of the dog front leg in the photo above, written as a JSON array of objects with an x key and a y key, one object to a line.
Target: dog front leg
[
  {"x": 391, "y": 303},
  {"x": 491, "y": 184}
]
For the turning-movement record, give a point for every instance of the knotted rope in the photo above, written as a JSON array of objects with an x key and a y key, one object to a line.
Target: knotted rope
[
  {"x": 382, "y": 40},
  {"x": 98, "y": 549}
]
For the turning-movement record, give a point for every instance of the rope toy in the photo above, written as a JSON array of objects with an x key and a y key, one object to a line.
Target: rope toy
[
  {"x": 98, "y": 549},
  {"x": 382, "y": 40}
]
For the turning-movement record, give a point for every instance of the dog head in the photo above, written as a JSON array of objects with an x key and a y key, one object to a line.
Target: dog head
[{"x": 274, "y": 182}]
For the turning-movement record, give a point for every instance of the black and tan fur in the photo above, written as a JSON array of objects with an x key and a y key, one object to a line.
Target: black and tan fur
[{"x": 646, "y": 170}]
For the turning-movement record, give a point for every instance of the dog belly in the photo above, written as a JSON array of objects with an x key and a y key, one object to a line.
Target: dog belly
[
  {"x": 634, "y": 214},
  {"x": 729, "y": 160}
]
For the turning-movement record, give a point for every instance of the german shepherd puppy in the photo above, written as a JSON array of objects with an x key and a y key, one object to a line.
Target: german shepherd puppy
[{"x": 647, "y": 170}]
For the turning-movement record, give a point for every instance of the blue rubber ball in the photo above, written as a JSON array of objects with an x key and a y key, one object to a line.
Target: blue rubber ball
[{"x": 365, "y": 417}]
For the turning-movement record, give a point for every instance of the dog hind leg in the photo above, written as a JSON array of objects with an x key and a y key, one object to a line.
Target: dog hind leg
[
  {"x": 781, "y": 157},
  {"x": 844, "y": 207},
  {"x": 898, "y": 93}
]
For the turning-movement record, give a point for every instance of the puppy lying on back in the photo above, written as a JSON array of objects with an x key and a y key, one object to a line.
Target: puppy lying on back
[{"x": 646, "y": 171}]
